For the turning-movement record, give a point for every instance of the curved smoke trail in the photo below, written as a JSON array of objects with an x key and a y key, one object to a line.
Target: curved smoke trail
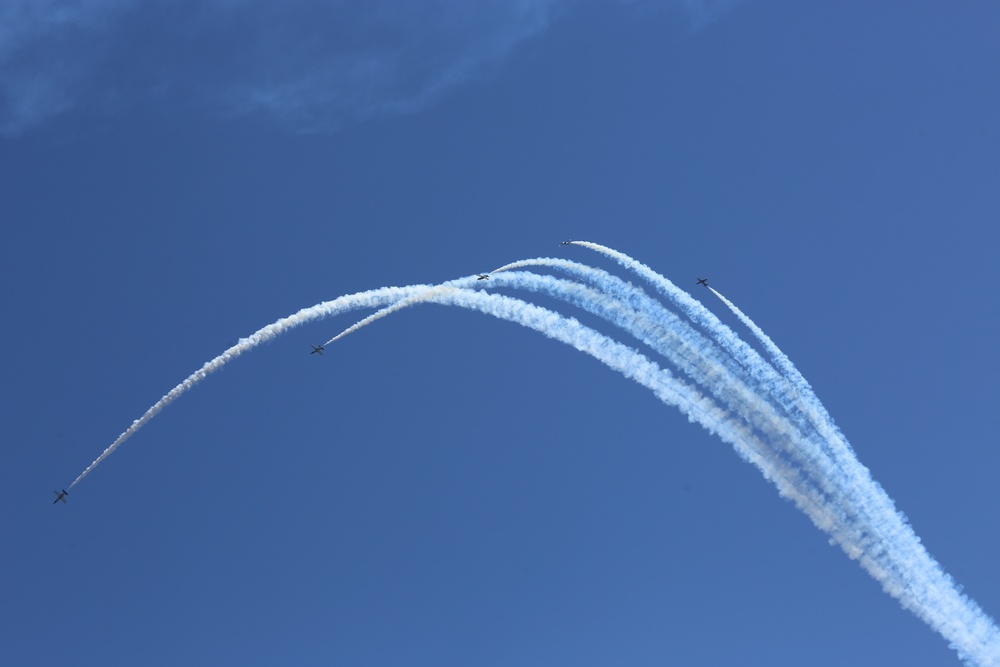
[
  {"x": 695, "y": 355},
  {"x": 769, "y": 415},
  {"x": 915, "y": 579},
  {"x": 369, "y": 299},
  {"x": 857, "y": 514},
  {"x": 932, "y": 595},
  {"x": 696, "y": 407}
]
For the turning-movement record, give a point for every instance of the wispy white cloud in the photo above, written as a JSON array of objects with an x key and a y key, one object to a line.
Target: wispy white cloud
[
  {"x": 312, "y": 65},
  {"x": 48, "y": 51},
  {"x": 396, "y": 59}
]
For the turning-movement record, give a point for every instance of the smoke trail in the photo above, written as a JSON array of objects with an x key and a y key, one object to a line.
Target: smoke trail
[
  {"x": 688, "y": 350},
  {"x": 369, "y": 299},
  {"x": 672, "y": 391},
  {"x": 743, "y": 362},
  {"x": 822, "y": 477},
  {"x": 811, "y": 492},
  {"x": 697, "y": 313},
  {"x": 917, "y": 581},
  {"x": 934, "y": 596},
  {"x": 859, "y": 516},
  {"x": 740, "y": 355},
  {"x": 783, "y": 363},
  {"x": 759, "y": 373},
  {"x": 853, "y": 537},
  {"x": 620, "y": 290},
  {"x": 424, "y": 295}
]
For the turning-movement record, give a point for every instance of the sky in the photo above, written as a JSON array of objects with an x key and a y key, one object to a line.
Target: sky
[{"x": 443, "y": 488}]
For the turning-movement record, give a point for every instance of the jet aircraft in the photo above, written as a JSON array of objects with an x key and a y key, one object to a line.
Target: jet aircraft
[
  {"x": 60, "y": 496},
  {"x": 318, "y": 348},
  {"x": 483, "y": 276},
  {"x": 565, "y": 243},
  {"x": 703, "y": 281}
]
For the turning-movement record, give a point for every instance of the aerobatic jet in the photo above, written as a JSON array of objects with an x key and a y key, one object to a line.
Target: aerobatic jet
[
  {"x": 566, "y": 242},
  {"x": 483, "y": 276},
  {"x": 60, "y": 496},
  {"x": 318, "y": 348},
  {"x": 703, "y": 281}
]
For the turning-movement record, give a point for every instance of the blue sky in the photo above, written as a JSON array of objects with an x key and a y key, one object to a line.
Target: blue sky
[{"x": 442, "y": 488}]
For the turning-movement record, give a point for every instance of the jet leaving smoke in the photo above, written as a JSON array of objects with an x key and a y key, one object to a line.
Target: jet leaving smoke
[{"x": 768, "y": 413}]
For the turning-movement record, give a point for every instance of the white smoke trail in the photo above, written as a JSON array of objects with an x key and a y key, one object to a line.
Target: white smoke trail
[
  {"x": 688, "y": 350},
  {"x": 917, "y": 581},
  {"x": 696, "y": 407},
  {"x": 758, "y": 372},
  {"x": 805, "y": 448},
  {"x": 741, "y": 361},
  {"x": 811, "y": 474},
  {"x": 416, "y": 298},
  {"x": 781, "y": 361},
  {"x": 858, "y": 515},
  {"x": 618, "y": 289},
  {"x": 780, "y": 456},
  {"x": 875, "y": 533},
  {"x": 953, "y": 613},
  {"x": 369, "y": 299},
  {"x": 697, "y": 313},
  {"x": 754, "y": 371}
]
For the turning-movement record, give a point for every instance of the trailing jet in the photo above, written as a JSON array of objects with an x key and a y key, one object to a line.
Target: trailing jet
[
  {"x": 60, "y": 496},
  {"x": 483, "y": 276},
  {"x": 703, "y": 281},
  {"x": 318, "y": 348}
]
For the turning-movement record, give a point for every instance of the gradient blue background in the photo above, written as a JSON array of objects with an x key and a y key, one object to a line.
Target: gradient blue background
[{"x": 443, "y": 488}]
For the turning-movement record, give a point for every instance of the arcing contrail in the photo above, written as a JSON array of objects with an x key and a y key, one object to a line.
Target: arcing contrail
[
  {"x": 769, "y": 415},
  {"x": 890, "y": 550},
  {"x": 815, "y": 409},
  {"x": 725, "y": 337},
  {"x": 795, "y": 465},
  {"x": 924, "y": 588},
  {"x": 837, "y": 493},
  {"x": 422, "y": 295},
  {"x": 693, "y": 354},
  {"x": 635, "y": 366},
  {"x": 369, "y": 299}
]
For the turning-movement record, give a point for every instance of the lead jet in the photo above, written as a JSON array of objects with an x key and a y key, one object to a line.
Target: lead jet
[
  {"x": 483, "y": 276},
  {"x": 60, "y": 496},
  {"x": 318, "y": 348},
  {"x": 703, "y": 281},
  {"x": 565, "y": 243}
]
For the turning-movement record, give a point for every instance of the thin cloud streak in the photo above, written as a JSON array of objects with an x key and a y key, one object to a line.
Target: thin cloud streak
[{"x": 310, "y": 65}]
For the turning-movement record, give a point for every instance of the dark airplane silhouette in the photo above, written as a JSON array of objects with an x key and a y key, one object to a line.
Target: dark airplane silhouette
[
  {"x": 566, "y": 242},
  {"x": 60, "y": 496},
  {"x": 703, "y": 281},
  {"x": 483, "y": 276},
  {"x": 317, "y": 348}
]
